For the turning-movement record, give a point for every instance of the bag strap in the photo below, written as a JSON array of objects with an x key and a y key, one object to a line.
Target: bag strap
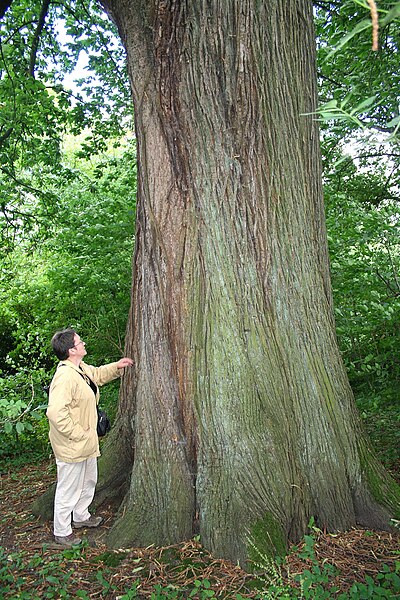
[
  {"x": 89, "y": 381},
  {"x": 86, "y": 378}
]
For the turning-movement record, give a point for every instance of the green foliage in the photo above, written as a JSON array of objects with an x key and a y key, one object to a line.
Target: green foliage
[
  {"x": 382, "y": 425},
  {"x": 22, "y": 402},
  {"x": 202, "y": 590},
  {"x": 269, "y": 578},
  {"x": 365, "y": 251},
  {"x": 37, "y": 109},
  {"x": 93, "y": 262},
  {"x": 386, "y": 585},
  {"x": 364, "y": 244},
  {"x": 344, "y": 31},
  {"x": 80, "y": 276},
  {"x": 66, "y": 224},
  {"x": 317, "y": 581},
  {"x": 132, "y": 592},
  {"x": 360, "y": 152}
]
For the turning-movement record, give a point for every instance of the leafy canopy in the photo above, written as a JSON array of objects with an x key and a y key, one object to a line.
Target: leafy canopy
[{"x": 40, "y": 43}]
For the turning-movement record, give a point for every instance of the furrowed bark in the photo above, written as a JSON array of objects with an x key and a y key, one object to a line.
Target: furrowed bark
[{"x": 239, "y": 421}]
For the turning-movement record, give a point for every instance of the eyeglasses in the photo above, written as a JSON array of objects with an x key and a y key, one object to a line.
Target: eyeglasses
[{"x": 81, "y": 342}]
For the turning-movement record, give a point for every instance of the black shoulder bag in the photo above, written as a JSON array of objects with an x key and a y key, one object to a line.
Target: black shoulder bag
[{"x": 103, "y": 422}]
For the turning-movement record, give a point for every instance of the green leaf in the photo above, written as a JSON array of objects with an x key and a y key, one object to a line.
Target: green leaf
[
  {"x": 20, "y": 427},
  {"x": 361, "y": 26},
  {"x": 36, "y": 415},
  {"x": 8, "y": 427},
  {"x": 367, "y": 103},
  {"x": 393, "y": 14},
  {"x": 393, "y": 122}
]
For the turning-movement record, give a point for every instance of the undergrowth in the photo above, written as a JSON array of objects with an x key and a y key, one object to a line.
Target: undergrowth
[{"x": 33, "y": 577}]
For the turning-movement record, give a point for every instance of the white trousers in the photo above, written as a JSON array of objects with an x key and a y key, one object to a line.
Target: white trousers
[{"x": 76, "y": 483}]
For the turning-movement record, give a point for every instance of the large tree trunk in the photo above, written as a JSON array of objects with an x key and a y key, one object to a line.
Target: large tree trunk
[{"x": 238, "y": 421}]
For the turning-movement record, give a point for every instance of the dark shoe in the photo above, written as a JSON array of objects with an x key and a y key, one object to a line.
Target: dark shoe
[
  {"x": 67, "y": 540},
  {"x": 90, "y": 522}
]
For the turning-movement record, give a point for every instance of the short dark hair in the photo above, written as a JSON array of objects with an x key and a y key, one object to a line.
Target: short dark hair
[{"x": 62, "y": 342}]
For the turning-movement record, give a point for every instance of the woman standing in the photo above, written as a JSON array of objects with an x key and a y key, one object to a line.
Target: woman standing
[{"x": 73, "y": 436}]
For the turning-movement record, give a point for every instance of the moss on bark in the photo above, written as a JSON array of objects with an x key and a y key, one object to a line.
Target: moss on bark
[{"x": 267, "y": 538}]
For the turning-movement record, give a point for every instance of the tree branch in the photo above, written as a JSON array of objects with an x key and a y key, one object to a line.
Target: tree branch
[
  {"x": 6, "y": 135},
  {"x": 36, "y": 36},
  {"x": 392, "y": 290},
  {"x": 22, "y": 184}
]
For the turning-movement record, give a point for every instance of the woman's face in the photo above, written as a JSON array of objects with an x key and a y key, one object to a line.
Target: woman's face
[{"x": 79, "y": 347}]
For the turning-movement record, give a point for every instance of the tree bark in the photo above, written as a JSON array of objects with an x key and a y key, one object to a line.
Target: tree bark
[{"x": 238, "y": 421}]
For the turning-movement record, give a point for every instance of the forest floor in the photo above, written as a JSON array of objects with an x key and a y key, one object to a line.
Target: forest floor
[{"x": 32, "y": 566}]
